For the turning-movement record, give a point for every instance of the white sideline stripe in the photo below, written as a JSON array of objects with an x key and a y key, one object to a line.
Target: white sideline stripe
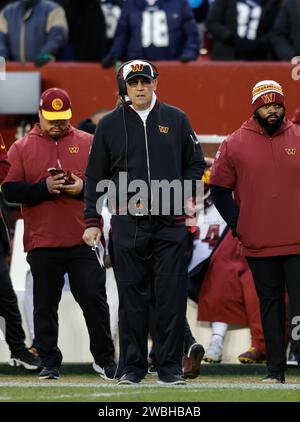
[
  {"x": 114, "y": 394},
  {"x": 195, "y": 387}
]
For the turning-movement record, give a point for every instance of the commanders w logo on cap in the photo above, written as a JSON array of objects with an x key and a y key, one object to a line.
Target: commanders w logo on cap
[
  {"x": 267, "y": 92},
  {"x": 269, "y": 98},
  {"x": 138, "y": 67}
]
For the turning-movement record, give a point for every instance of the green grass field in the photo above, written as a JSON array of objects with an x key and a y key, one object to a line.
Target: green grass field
[{"x": 217, "y": 383}]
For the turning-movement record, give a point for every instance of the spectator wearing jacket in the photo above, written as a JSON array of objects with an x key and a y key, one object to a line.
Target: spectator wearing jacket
[
  {"x": 112, "y": 11},
  {"x": 147, "y": 141},
  {"x": 261, "y": 214},
  {"x": 241, "y": 29},
  {"x": 52, "y": 207},
  {"x": 32, "y": 30},
  {"x": 87, "y": 38},
  {"x": 286, "y": 36},
  {"x": 155, "y": 30}
]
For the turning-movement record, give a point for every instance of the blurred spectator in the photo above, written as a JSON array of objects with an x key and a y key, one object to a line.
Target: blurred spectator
[
  {"x": 200, "y": 9},
  {"x": 87, "y": 31},
  {"x": 112, "y": 11},
  {"x": 228, "y": 296},
  {"x": 286, "y": 39},
  {"x": 155, "y": 30},
  {"x": 89, "y": 125},
  {"x": 32, "y": 30},
  {"x": 241, "y": 29}
]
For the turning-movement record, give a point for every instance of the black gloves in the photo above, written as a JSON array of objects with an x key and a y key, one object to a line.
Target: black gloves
[
  {"x": 108, "y": 61},
  {"x": 43, "y": 59}
]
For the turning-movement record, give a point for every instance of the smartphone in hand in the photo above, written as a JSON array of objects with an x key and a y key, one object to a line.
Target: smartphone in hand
[
  {"x": 54, "y": 171},
  {"x": 66, "y": 175}
]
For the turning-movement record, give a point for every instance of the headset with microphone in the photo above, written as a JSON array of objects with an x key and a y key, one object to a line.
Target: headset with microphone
[{"x": 121, "y": 81}]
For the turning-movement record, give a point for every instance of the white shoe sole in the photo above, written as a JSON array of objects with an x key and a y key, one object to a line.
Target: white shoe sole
[
  {"x": 127, "y": 382},
  {"x": 17, "y": 362},
  {"x": 209, "y": 359}
]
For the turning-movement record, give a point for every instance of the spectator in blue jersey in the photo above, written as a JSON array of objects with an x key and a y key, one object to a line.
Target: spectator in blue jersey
[
  {"x": 32, "y": 30},
  {"x": 155, "y": 30},
  {"x": 112, "y": 11},
  {"x": 241, "y": 29}
]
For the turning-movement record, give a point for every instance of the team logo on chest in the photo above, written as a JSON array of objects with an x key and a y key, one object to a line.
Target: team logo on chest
[
  {"x": 163, "y": 129},
  {"x": 290, "y": 151},
  {"x": 73, "y": 150}
]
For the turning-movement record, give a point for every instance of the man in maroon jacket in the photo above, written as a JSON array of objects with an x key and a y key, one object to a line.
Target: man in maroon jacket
[
  {"x": 260, "y": 163},
  {"x": 47, "y": 177}
]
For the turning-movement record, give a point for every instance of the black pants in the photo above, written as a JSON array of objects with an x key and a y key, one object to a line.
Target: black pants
[
  {"x": 271, "y": 276},
  {"x": 150, "y": 257},
  {"x": 188, "y": 341},
  {"x": 87, "y": 283},
  {"x": 14, "y": 334}
]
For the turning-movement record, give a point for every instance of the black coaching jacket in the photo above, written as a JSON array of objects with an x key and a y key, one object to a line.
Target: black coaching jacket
[{"x": 165, "y": 148}]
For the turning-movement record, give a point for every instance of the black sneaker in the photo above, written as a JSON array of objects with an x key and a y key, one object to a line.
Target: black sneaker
[
  {"x": 129, "y": 379},
  {"x": 172, "y": 380},
  {"x": 26, "y": 359},
  {"x": 107, "y": 372},
  {"x": 274, "y": 379},
  {"x": 49, "y": 374}
]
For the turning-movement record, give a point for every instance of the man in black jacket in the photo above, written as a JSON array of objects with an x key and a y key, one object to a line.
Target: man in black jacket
[
  {"x": 241, "y": 29},
  {"x": 286, "y": 34},
  {"x": 145, "y": 141}
]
